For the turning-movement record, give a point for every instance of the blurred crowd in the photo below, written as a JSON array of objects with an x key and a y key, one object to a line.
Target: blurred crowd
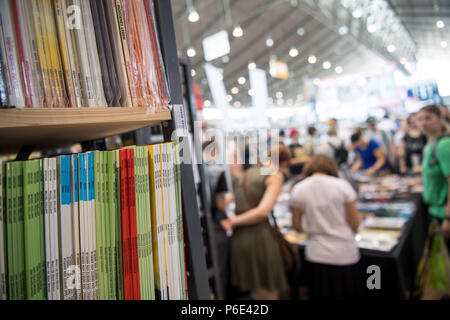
[{"x": 323, "y": 202}]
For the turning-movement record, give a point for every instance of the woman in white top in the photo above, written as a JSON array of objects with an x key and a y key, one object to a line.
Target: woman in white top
[{"x": 324, "y": 207}]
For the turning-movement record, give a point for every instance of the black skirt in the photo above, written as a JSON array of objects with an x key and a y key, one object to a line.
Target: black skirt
[{"x": 331, "y": 282}]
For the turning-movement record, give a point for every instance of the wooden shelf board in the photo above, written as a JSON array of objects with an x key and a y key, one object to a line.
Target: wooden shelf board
[{"x": 52, "y": 128}]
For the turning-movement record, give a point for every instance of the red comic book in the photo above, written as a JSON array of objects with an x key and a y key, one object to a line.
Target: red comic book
[
  {"x": 133, "y": 226},
  {"x": 126, "y": 262}
]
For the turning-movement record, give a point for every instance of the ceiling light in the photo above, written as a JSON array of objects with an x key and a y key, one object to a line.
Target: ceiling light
[
  {"x": 312, "y": 59},
  {"x": 269, "y": 42},
  {"x": 191, "y": 52},
  {"x": 293, "y": 52},
  {"x": 219, "y": 77},
  {"x": 238, "y": 32},
  {"x": 269, "y": 100},
  {"x": 372, "y": 28},
  {"x": 357, "y": 14},
  {"x": 316, "y": 81},
  {"x": 280, "y": 102},
  {"x": 279, "y": 94},
  {"x": 193, "y": 73},
  {"x": 225, "y": 59},
  {"x": 237, "y": 104},
  {"x": 251, "y": 66},
  {"x": 343, "y": 30},
  {"x": 403, "y": 61},
  {"x": 391, "y": 48},
  {"x": 440, "y": 24},
  {"x": 326, "y": 65},
  {"x": 207, "y": 103},
  {"x": 361, "y": 81},
  {"x": 193, "y": 15},
  {"x": 235, "y": 90},
  {"x": 229, "y": 98},
  {"x": 338, "y": 70},
  {"x": 301, "y": 32},
  {"x": 242, "y": 80},
  {"x": 290, "y": 102},
  {"x": 251, "y": 92},
  {"x": 444, "y": 44}
]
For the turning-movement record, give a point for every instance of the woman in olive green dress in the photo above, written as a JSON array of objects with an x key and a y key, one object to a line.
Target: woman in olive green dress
[{"x": 256, "y": 263}]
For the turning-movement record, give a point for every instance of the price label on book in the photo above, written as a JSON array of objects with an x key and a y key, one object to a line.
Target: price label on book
[{"x": 180, "y": 120}]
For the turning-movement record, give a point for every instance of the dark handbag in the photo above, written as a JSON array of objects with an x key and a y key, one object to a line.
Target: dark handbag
[{"x": 289, "y": 252}]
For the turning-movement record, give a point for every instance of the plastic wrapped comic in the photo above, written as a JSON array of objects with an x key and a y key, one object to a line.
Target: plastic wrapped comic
[
  {"x": 104, "y": 66},
  {"x": 142, "y": 64},
  {"x": 42, "y": 49},
  {"x": 93, "y": 55},
  {"x": 163, "y": 88},
  {"x": 59, "y": 90},
  {"x": 71, "y": 45},
  {"x": 126, "y": 51},
  {"x": 86, "y": 72},
  {"x": 109, "y": 54},
  {"x": 66, "y": 55},
  {"x": 31, "y": 54},
  {"x": 16, "y": 94},
  {"x": 118, "y": 53},
  {"x": 24, "y": 63},
  {"x": 4, "y": 76}
]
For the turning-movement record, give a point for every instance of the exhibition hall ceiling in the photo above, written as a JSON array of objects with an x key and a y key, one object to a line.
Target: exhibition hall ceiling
[{"x": 339, "y": 36}]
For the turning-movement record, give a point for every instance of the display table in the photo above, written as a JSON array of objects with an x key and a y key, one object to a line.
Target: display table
[{"x": 397, "y": 265}]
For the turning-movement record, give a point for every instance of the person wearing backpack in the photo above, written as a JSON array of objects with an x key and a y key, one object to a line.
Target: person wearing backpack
[
  {"x": 436, "y": 167},
  {"x": 337, "y": 145}
]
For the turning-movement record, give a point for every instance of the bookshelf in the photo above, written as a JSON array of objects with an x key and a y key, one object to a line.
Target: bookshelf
[
  {"x": 52, "y": 128},
  {"x": 40, "y": 129}
]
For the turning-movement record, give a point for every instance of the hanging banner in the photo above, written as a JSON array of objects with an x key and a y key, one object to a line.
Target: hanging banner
[
  {"x": 216, "y": 45},
  {"x": 279, "y": 69},
  {"x": 218, "y": 91},
  {"x": 258, "y": 83}
]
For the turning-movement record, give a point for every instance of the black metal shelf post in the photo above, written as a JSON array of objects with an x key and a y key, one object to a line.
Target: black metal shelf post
[
  {"x": 205, "y": 194},
  {"x": 198, "y": 285}
]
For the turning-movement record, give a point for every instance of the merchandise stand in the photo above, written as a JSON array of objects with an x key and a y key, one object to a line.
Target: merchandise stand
[{"x": 26, "y": 130}]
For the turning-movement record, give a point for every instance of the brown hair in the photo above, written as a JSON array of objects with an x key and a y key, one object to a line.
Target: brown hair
[
  {"x": 284, "y": 153},
  {"x": 434, "y": 109},
  {"x": 321, "y": 164}
]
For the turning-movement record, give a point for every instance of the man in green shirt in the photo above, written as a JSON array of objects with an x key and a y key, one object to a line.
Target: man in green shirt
[
  {"x": 436, "y": 167},
  {"x": 436, "y": 176}
]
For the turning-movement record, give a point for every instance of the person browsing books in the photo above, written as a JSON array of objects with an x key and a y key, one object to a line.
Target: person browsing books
[
  {"x": 370, "y": 156},
  {"x": 330, "y": 222}
]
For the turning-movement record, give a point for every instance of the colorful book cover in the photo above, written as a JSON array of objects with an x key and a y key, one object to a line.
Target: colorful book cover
[
  {"x": 55, "y": 271},
  {"x": 116, "y": 189},
  {"x": 99, "y": 223},
  {"x": 76, "y": 226},
  {"x": 179, "y": 213},
  {"x": 3, "y": 222},
  {"x": 16, "y": 97},
  {"x": 125, "y": 230},
  {"x": 133, "y": 223}
]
